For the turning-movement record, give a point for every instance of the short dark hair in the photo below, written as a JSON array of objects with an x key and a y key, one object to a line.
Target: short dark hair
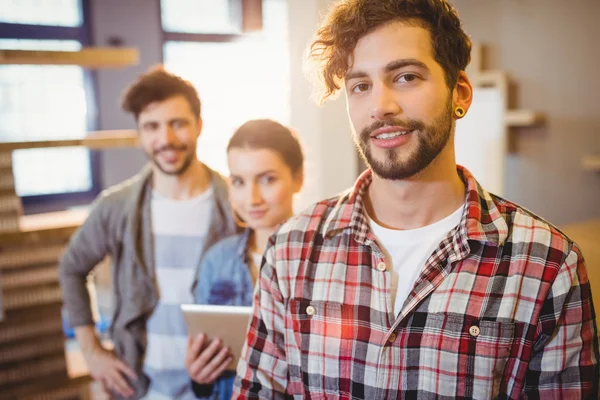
[
  {"x": 158, "y": 85},
  {"x": 350, "y": 20},
  {"x": 268, "y": 134}
]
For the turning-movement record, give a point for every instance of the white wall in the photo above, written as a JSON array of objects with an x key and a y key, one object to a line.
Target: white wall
[
  {"x": 331, "y": 160},
  {"x": 549, "y": 49}
]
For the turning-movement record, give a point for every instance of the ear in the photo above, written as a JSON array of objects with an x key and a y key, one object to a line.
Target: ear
[
  {"x": 298, "y": 180},
  {"x": 199, "y": 127},
  {"x": 463, "y": 93}
]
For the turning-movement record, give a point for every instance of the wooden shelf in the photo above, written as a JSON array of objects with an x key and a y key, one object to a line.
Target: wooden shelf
[
  {"x": 591, "y": 163},
  {"x": 94, "y": 140},
  {"x": 53, "y": 220},
  {"x": 58, "y": 387},
  {"x": 89, "y": 57},
  {"x": 39, "y": 227},
  {"x": 522, "y": 118}
]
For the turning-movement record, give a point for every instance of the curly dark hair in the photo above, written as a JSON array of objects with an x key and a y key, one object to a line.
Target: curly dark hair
[
  {"x": 350, "y": 20},
  {"x": 158, "y": 85}
]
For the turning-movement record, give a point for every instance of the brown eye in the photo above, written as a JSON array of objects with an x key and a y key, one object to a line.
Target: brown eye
[
  {"x": 361, "y": 87},
  {"x": 180, "y": 123},
  {"x": 267, "y": 180},
  {"x": 236, "y": 182},
  {"x": 150, "y": 127},
  {"x": 407, "y": 78}
]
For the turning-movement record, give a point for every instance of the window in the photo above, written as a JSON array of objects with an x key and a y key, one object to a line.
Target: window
[
  {"x": 45, "y": 102},
  {"x": 42, "y": 12},
  {"x": 198, "y": 16},
  {"x": 238, "y": 77}
]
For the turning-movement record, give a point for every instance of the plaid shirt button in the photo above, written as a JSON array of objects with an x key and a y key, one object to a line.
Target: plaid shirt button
[
  {"x": 310, "y": 310},
  {"x": 381, "y": 266},
  {"x": 474, "y": 331},
  {"x": 392, "y": 338}
]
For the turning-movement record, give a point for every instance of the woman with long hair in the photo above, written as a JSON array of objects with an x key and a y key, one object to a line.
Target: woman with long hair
[{"x": 266, "y": 169}]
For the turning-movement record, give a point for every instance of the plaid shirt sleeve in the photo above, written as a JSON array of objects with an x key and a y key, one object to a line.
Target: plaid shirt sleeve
[
  {"x": 262, "y": 370},
  {"x": 565, "y": 360}
]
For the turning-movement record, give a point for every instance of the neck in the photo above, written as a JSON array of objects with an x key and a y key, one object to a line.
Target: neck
[
  {"x": 190, "y": 183},
  {"x": 260, "y": 238},
  {"x": 420, "y": 200}
]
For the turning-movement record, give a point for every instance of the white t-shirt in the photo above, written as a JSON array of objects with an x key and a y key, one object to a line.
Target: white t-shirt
[
  {"x": 255, "y": 267},
  {"x": 408, "y": 250},
  {"x": 179, "y": 229}
]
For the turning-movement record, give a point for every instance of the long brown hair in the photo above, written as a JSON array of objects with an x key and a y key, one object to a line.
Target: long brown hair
[{"x": 268, "y": 134}]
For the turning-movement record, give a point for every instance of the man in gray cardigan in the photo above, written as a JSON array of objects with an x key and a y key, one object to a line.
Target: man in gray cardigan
[{"x": 155, "y": 228}]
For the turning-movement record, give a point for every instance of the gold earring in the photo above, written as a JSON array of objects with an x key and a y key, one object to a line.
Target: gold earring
[{"x": 459, "y": 112}]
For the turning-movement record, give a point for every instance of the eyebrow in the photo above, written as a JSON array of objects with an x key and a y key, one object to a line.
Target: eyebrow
[
  {"x": 169, "y": 122},
  {"x": 259, "y": 175},
  {"x": 178, "y": 119},
  {"x": 149, "y": 123},
  {"x": 391, "y": 66}
]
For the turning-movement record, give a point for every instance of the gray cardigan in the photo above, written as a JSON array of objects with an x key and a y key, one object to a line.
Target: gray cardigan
[{"x": 119, "y": 225}]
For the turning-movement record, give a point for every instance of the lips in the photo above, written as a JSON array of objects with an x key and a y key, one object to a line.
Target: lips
[
  {"x": 389, "y": 137},
  {"x": 390, "y": 131},
  {"x": 257, "y": 214},
  {"x": 170, "y": 156}
]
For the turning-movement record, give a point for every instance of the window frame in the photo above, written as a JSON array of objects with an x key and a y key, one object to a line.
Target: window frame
[
  {"x": 60, "y": 201},
  {"x": 247, "y": 15},
  {"x": 244, "y": 11}
]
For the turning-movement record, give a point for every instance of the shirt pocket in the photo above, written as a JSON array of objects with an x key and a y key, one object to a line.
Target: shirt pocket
[
  {"x": 318, "y": 331},
  {"x": 469, "y": 354}
]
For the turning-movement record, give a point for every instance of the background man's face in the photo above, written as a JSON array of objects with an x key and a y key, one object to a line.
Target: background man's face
[{"x": 169, "y": 134}]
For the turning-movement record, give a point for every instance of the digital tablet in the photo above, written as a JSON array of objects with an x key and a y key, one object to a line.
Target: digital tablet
[{"x": 229, "y": 323}]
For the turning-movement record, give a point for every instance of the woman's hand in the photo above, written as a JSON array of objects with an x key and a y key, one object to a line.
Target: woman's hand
[{"x": 206, "y": 363}]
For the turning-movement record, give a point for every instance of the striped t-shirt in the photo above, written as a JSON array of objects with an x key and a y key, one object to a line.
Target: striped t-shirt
[{"x": 179, "y": 228}]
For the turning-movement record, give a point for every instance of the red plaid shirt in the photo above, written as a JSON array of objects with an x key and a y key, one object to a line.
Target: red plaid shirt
[{"x": 502, "y": 309}]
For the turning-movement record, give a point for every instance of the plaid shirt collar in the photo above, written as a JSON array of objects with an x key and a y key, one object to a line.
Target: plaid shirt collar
[{"x": 481, "y": 220}]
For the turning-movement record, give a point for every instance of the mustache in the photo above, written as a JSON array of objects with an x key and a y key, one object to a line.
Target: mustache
[
  {"x": 169, "y": 147},
  {"x": 411, "y": 124}
]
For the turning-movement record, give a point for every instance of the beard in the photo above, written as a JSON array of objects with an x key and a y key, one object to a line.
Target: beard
[
  {"x": 187, "y": 161},
  {"x": 431, "y": 140}
]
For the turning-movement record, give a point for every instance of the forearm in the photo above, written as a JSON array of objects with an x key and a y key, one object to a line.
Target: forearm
[
  {"x": 76, "y": 297},
  {"x": 262, "y": 369},
  {"x": 567, "y": 361},
  {"x": 87, "y": 247},
  {"x": 87, "y": 339}
]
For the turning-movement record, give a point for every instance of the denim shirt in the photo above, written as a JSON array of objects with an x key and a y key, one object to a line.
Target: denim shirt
[{"x": 224, "y": 279}]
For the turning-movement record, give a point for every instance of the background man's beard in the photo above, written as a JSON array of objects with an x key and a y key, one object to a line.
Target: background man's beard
[
  {"x": 431, "y": 140},
  {"x": 184, "y": 166}
]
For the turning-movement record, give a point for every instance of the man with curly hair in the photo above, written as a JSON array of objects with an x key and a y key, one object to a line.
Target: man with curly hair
[{"x": 416, "y": 283}]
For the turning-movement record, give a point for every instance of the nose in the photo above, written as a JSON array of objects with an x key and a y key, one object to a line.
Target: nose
[
  {"x": 255, "y": 195},
  {"x": 385, "y": 104},
  {"x": 167, "y": 134}
]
